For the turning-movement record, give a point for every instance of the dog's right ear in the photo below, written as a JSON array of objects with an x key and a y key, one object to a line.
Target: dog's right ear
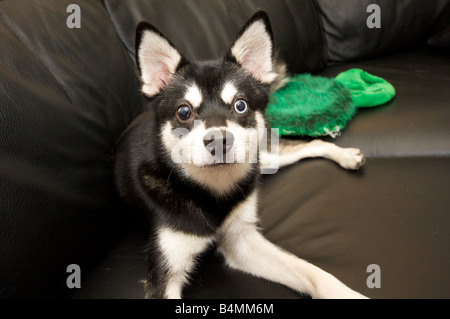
[
  {"x": 253, "y": 49},
  {"x": 156, "y": 57}
]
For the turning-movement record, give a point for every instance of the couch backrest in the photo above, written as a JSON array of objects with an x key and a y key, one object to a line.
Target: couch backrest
[
  {"x": 309, "y": 34},
  {"x": 358, "y": 29},
  {"x": 204, "y": 29}
]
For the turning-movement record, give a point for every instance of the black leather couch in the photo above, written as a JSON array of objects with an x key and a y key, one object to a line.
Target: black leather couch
[{"x": 66, "y": 94}]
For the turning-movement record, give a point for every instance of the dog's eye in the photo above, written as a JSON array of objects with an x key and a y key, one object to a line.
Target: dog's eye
[
  {"x": 240, "y": 106},
  {"x": 184, "y": 112}
]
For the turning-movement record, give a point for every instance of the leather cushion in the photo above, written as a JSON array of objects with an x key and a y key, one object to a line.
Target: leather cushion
[
  {"x": 65, "y": 96},
  {"x": 392, "y": 213},
  {"x": 416, "y": 121},
  {"x": 404, "y": 24}
]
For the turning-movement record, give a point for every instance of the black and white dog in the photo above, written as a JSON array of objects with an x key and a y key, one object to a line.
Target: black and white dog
[{"x": 192, "y": 163}]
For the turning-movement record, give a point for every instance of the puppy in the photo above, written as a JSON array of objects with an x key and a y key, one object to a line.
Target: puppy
[{"x": 193, "y": 161}]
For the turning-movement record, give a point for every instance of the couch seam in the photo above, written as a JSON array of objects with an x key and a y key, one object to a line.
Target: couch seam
[{"x": 319, "y": 17}]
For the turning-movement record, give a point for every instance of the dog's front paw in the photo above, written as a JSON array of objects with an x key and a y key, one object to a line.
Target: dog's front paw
[{"x": 352, "y": 158}]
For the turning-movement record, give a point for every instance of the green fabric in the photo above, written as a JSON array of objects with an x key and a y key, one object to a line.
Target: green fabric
[
  {"x": 367, "y": 90},
  {"x": 310, "y": 105},
  {"x": 316, "y": 106}
]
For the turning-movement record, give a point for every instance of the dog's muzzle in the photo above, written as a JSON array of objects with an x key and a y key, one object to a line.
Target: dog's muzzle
[{"x": 218, "y": 143}]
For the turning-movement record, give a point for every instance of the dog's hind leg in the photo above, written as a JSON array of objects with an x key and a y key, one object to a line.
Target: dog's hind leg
[
  {"x": 175, "y": 254},
  {"x": 290, "y": 152},
  {"x": 244, "y": 248}
]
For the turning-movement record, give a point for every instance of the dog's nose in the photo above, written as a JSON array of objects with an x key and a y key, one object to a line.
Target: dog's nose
[{"x": 218, "y": 141}]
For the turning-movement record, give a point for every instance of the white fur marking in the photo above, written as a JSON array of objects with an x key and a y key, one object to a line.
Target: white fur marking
[
  {"x": 190, "y": 154},
  {"x": 168, "y": 139},
  {"x": 194, "y": 96},
  {"x": 180, "y": 251},
  {"x": 229, "y": 91},
  {"x": 243, "y": 215}
]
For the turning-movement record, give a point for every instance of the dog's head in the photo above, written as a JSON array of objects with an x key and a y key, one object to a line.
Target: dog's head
[{"x": 210, "y": 114}]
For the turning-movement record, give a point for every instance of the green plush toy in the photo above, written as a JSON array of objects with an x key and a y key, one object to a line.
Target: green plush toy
[{"x": 317, "y": 106}]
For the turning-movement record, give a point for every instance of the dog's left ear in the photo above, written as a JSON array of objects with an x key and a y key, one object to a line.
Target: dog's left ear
[{"x": 253, "y": 48}]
